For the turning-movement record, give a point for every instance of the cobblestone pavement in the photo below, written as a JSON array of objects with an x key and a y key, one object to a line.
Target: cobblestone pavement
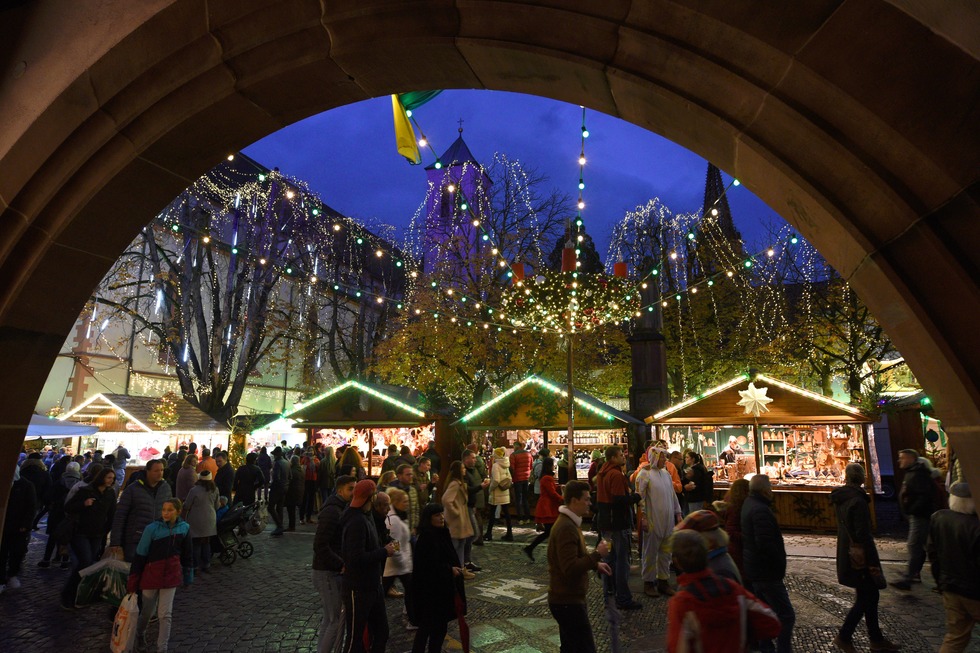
[{"x": 267, "y": 603}]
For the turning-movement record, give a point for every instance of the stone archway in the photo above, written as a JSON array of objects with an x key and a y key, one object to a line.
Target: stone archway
[{"x": 857, "y": 120}]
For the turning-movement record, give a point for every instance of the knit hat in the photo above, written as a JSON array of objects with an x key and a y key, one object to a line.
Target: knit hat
[
  {"x": 205, "y": 475},
  {"x": 73, "y": 469},
  {"x": 700, "y": 521},
  {"x": 363, "y": 491},
  {"x": 961, "y": 490},
  {"x": 499, "y": 452}
]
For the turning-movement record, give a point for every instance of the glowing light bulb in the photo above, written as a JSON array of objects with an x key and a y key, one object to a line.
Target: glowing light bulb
[
  {"x": 451, "y": 188},
  {"x": 673, "y": 256},
  {"x": 770, "y": 252},
  {"x": 336, "y": 227},
  {"x": 581, "y": 204},
  {"x": 315, "y": 211},
  {"x": 438, "y": 165},
  {"x": 261, "y": 177},
  {"x": 418, "y": 311},
  {"x": 581, "y": 238},
  {"x": 503, "y": 263},
  {"x": 794, "y": 240},
  {"x": 379, "y": 253},
  {"x": 581, "y": 160},
  {"x": 464, "y": 206},
  {"x": 748, "y": 264},
  {"x": 414, "y": 274},
  {"x": 312, "y": 279},
  {"x": 664, "y": 304},
  {"x": 206, "y": 240},
  {"x": 581, "y": 185},
  {"x": 231, "y": 157},
  {"x": 494, "y": 251},
  {"x": 736, "y": 182},
  {"x": 476, "y": 223},
  {"x": 643, "y": 285},
  {"x": 423, "y": 142},
  {"x": 585, "y": 132},
  {"x": 289, "y": 194},
  {"x": 714, "y": 211},
  {"x": 261, "y": 261},
  {"x": 694, "y": 291},
  {"x": 360, "y": 241},
  {"x": 730, "y": 274},
  {"x": 380, "y": 300}
]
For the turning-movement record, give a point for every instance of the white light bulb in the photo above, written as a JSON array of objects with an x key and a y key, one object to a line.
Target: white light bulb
[
  {"x": 581, "y": 160},
  {"x": 289, "y": 194}
]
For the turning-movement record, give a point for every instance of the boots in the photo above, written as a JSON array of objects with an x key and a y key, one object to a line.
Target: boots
[
  {"x": 664, "y": 588},
  {"x": 650, "y": 589},
  {"x": 509, "y": 537}
]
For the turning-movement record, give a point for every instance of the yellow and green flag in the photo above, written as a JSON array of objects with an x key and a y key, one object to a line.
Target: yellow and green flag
[{"x": 405, "y": 139}]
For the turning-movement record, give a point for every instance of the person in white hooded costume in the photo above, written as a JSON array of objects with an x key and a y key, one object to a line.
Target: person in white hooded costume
[{"x": 662, "y": 512}]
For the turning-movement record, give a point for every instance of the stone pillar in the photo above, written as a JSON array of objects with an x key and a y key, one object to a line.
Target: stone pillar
[{"x": 649, "y": 392}]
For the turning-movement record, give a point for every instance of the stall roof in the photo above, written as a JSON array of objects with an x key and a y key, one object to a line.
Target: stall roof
[
  {"x": 515, "y": 403},
  {"x": 51, "y": 427},
  {"x": 790, "y": 405},
  {"x": 137, "y": 410},
  {"x": 362, "y": 404}
]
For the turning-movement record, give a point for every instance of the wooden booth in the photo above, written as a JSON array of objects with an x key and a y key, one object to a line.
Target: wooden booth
[
  {"x": 800, "y": 439},
  {"x": 533, "y": 415},
  {"x": 368, "y": 417}
]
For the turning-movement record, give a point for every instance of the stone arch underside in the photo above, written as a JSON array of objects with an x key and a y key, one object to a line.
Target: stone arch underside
[{"x": 856, "y": 120}]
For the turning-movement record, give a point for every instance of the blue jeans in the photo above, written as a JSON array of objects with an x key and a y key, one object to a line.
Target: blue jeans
[
  {"x": 331, "y": 636},
  {"x": 774, "y": 593},
  {"x": 619, "y": 560},
  {"x": 85, "y": 552},
  {"x": 918, "y": 535}
]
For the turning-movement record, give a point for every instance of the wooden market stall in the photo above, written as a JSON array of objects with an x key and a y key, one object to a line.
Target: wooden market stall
[
  {"x": 535, "y": 410},
  {"x": 126, "y": 420},
  {"x": 800, "y": 439},
  {"x": 369, "y": 417}
]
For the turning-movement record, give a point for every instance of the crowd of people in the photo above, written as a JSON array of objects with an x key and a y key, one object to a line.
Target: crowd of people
[{"x": 410, "y": 537}]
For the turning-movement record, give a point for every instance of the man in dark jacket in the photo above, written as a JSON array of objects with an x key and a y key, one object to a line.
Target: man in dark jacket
[
  {"x": 225, "y": 477},
  {"x": 328, "y": 565},
  {"x": 476, "y": 500},
  {"x": 850, "y": 503},
  {"x": 140, "y": 505},
  {"x": 569, "y": 564},
  {"x": 364, "y": 562},
  {"x": 433, "y": 456},
  {"x": 278, "y": 484},
  {"x": 917, "y": 500},
  {"x": 954, "y": 550},
  {"x": 615, "y": 522},
  {"x": 21, "y": 507},
  {"x": 248, "y": 480},
  {"x": 764, "y": 559}
]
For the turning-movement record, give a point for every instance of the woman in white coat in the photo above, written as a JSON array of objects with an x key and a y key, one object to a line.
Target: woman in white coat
[
  {"x": 399, "y": 565},
  {"x": 500, "y": 483}
]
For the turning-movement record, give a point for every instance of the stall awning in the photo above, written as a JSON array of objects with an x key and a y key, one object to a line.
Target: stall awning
[
  {"x": 536, "y": 403},
  {"x": 363, "y": 405},
  {"x": 50, "y": 427},
  {"x": 790, "y": 405},
  {"x": 116, "y": 412}
]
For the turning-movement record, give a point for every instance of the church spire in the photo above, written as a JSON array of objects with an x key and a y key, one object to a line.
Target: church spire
[{"x": 716, "y": 200}]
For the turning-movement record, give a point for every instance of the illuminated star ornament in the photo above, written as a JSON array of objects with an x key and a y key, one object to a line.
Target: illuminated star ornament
[{"x": 754, "y": 399}]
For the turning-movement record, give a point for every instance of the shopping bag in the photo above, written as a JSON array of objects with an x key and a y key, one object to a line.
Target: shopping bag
[
  {"x": 103, "y": 581},
  {"x": 124, "y": 627}
]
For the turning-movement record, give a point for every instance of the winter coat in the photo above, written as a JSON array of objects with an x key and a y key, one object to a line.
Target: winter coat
[
  {"x": 248, "y": 480},
  {"x": 265, "y": 464},
  {"x": 454, "y": 501},
  {"x": 224, "y": 480},
  {"x": 200, "y": 511},
  {"x": 433, "y": 456},
  {"x": 763, "y": 550},
  {"x": 36, "y": 473},
  {"x": 954, "y": 550},
  {"x": 703, "y": 486},
  {"x": 138, "y": 507},
  {"x": 546, "y": 512},
  {"x": 520, "y": 465},
  {"x": 569, "y": 562},
  {"x": 59, "y": 495},
  {"x": 186, "y": 478},
  {"x": 294, "y": 491},
  {"x": 22, "y": 505},
  {"x": 364, "y": 557},
  {"x": 434, "y": 587},
  {"x": 279, "y": 479},
  {"x": 499, "y": 471},
  {"x": 328, "y": 538},
  {"x": 93, "y": 521},
  {"x": 326, "y": 476},
  {"x": 536, "y": 473},
  {"x": 853, "y": 524},
  {"x": 917, "y": 495},
  {"x": 311, "y": 466},
  {"x": 414, "y": 502},
  {"x": 476, "y": 497},
  {"x": 715, "y": 603},
  {"x": 209, "y": 465},
  {"x": 401, "y": 562},
  {"x": 613, "y": 498},
  {"x": 733, "y": 526},
  {"x": 164, "y": 557}
]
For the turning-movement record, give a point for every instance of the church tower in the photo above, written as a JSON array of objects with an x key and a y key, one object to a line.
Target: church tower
[
  {"x": 458, "y": 195},
  {"x": 718, "y": 245}
]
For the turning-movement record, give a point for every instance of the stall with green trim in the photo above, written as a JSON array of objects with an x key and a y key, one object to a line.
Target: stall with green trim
[{"x": 536, "y": 408}]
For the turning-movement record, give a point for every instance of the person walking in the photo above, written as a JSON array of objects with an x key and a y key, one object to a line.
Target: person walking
[
  {"x": 455, "y": 501},
  {"x": 163, "y": 562},
  {"x": 437, "y": 595},
  {"x": 200, "y": 513},
  {"x": 661, "y": 513},
  {"x": 311, "y": 489},
  {"x": 278, "y": 486},
  {"x": 857, "y": 561},
  {"x": 764, "y": 557},
  {"x": 264, "y": 462},
  {"x": 520, "y": 469},
  {"x": 954, "y": 551},
  {"x": 546, "y": 510},
  {"x": 917, "y": 499},
  {"x": 328, "y": 566},
  {"x": 476, "y": 495},
  {"x": 59, "y": 532},
  {"x": 364, "y": 560},
  {"x": 187, "y": 476},
  {"x": 500, "y": 484},
  {"x": 294, "y": 492},
  {"x": 569, "y": 564},
  {"x": 139, "y": 506},
  {"x": 711, "y": 613},
  {"x": 614, "y": 520},
  {"x": 398, "y": 566},
  {"x": 22, "y": 505},
  {"x": 92, "y": 509},
  {"x": 248, "y": 482}
]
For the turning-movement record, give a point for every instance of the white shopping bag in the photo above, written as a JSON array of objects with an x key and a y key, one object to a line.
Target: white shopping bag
[{"x": 124, "y": 626}]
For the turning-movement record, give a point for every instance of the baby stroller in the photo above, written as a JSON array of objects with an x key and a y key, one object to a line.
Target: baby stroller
[{"x": 230, "y": 541}]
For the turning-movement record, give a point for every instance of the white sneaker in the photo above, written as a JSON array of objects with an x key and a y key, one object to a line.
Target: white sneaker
[{"x": 13, "y": 583}]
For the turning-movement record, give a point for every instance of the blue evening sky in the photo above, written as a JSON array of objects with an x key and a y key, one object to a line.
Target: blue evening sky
[{"x": 348, "y": 157}]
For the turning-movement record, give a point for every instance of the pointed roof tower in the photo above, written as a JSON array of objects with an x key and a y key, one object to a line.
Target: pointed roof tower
[
  {"x": 457, "y": 154},
  {"x": 715, "y": 198}
]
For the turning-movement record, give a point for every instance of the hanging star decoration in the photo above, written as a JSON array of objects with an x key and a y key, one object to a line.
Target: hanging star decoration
[{"x": 754, "y": 400}]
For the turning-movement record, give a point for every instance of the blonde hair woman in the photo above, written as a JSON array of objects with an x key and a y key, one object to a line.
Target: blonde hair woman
[{"x": 454, "y": 500}]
